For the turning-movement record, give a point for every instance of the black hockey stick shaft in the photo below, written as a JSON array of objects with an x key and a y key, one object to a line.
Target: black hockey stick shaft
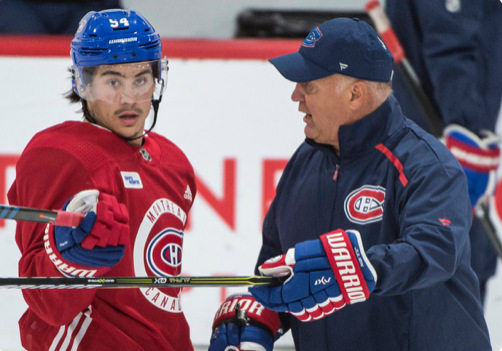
[
  {"x": 61, "y": 218},
  {"x": 384, "y": 29},
  {"x": 482, "y": 212},
  {"x": 135, "y": 282}
]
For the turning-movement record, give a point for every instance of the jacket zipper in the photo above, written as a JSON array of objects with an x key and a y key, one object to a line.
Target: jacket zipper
[{"x": 335, "y": 175}]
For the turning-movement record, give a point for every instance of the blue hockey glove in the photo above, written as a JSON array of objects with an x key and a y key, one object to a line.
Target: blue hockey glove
[
  {"x": 312, "y": 292},
  {"x": 479, "y": 158},
  {"x": 100, "y": 239},
  {"x": 242, "y": 323}
]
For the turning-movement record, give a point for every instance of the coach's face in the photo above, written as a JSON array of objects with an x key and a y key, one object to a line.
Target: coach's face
[{"x": 325, "y": 103}]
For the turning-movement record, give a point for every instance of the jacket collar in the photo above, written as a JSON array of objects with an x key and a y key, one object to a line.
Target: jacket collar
[{"x": 363, "y": 135}]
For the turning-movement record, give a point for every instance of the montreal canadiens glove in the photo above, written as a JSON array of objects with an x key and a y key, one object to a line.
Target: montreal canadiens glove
[
  {"x": 325, "y": 275},
  {"x": 100, "y": 240},
  {"x": 479, "y": 158},
  {"x": 242, "y": 323}
]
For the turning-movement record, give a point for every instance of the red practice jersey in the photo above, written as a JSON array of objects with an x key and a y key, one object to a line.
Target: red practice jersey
[{"x": 157, "y": 184}]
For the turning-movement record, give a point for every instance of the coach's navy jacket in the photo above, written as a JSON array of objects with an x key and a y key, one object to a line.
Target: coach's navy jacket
[{"x": 407, "y": 196}]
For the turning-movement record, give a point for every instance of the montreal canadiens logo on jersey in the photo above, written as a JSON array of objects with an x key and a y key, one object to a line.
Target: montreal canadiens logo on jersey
[
  {"x": 158, "y": 251},
  {"x": 365, "y": 205},
  {"x": 164, "y": 253}
]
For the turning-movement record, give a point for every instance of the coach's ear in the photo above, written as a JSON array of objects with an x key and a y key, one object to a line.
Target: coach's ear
[{"x": 358, "y": 95}]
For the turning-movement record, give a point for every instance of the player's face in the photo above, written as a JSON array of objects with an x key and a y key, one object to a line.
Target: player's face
[
  {"x": 325, "y": 106},
  {"x": 119, "y": 98}
]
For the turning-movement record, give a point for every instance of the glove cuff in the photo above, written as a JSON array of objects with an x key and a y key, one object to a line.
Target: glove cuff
[
  {"x": 475, "y": 153},
  {"x": 346, "y": 265},
  {"x": 258, "y": 315},
  {"x": 480, "y": 160},
  {"x": 68, "y": 268}
]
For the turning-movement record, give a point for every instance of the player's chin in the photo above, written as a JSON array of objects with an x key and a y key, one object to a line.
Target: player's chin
[{"x": 130, "y": 133}]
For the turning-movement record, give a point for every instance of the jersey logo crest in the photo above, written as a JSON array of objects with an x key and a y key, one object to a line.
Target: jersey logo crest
[
  {"x": 164, "y": 253},
  {"x": 158, "y": 251},
  {"x": 131, "y": 180},
  {"x": 365, "y": 205}
]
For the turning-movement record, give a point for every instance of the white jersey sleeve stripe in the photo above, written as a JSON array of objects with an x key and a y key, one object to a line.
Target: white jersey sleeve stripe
[
  {"x": 83, "y": 329},
  {"x": 55, "y": 342}
]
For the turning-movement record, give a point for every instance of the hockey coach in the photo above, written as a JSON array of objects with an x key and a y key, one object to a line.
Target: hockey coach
[{"x": 370, "y": 223}]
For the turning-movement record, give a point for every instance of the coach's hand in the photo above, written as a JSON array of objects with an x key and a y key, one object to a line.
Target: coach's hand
[
  {"x": 242, "y": 323},
  {"x": 312, "y": 292},
  {"x": 478, "y": 156},
  {"x": 100, "y": 240}
]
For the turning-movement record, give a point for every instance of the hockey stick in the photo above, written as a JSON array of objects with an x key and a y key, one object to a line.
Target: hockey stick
[
  {"x": 135, "y": 282},
  {"x": 384, "y": 29},
  {"x": 61, "y": 218},
  {"x": 73, "y": 219},
  {"x": 481, "y": 210}
]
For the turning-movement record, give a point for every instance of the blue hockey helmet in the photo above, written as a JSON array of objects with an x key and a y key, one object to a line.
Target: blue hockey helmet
[
  {"x": 116, "y": 37},
  {"x": 113, "y": 37}
]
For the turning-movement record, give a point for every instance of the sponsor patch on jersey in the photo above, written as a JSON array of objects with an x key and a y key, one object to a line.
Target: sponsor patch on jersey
[
  {"x": 365, "y": 205},
  {"x": 132, "y": 180}
]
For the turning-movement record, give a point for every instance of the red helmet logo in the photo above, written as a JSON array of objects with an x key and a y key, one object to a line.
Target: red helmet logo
[{"x": 365, "y": 205}]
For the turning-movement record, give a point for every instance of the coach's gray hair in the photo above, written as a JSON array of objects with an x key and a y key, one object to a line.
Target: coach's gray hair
[{"x": 380, "y": 90}]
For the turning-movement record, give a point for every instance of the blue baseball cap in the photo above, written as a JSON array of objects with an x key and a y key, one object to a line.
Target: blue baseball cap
[{"x": 342, "y": 45}]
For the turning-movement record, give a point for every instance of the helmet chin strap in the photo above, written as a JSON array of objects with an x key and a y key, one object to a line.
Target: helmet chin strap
[
  {"x": 155, "y": 105},
  {"x": 87, "y": 114}
]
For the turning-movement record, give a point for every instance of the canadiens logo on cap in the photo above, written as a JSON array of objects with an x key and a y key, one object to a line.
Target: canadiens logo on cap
[
  {"x": 349, "y": 47},
  {"x": 313, "y": 37},
  {"x": 365, "y": 205}
]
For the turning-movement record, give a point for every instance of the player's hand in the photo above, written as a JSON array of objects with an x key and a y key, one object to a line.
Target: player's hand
[
  {"x": 478, "y": 156},
  {"x": 250, "y": 326},
  {"x": 312, "y": 292},
  {"x": 100, "y": 240}
]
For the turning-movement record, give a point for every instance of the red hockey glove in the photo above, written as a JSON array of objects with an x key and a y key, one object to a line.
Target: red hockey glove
[
  {"x": 478, "y": 156},
  {"x": 242, "y": 323},
  {"x": 100, "y": 240}
]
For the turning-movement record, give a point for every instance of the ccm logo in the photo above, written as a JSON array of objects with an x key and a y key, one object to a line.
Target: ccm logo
[{"x": 365, "y": 205}]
